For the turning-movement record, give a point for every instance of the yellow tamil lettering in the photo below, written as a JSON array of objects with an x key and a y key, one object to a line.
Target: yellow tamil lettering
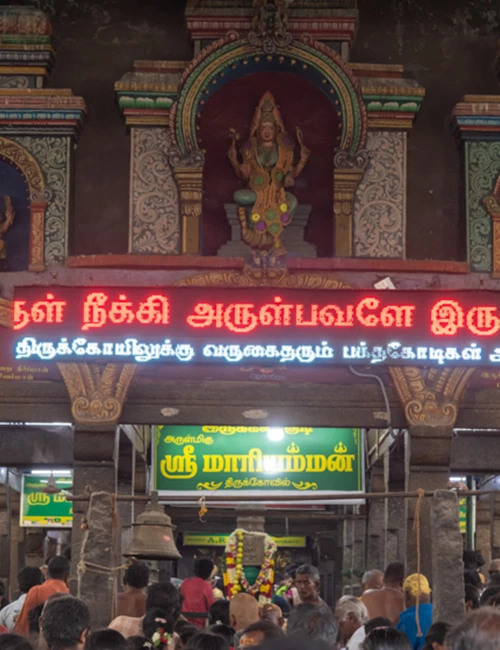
[
  {"x": 316, "y": 463},
  {"x": 38, "y": 499},
  {"x": 213, "y": 463},
  {"x": 341, "y": 463},
  {"x": 180, "y": 466}
]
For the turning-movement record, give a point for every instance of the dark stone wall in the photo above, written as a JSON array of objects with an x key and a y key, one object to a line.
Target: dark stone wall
[{"x": 448, "y": 46}]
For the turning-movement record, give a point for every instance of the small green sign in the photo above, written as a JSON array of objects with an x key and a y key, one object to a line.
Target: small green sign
[
  {"x": 252, "y": 460},
  {"x": 463, "y": 514},
  {"x": 204, "y": 539},
  {"x": 41, "y": 509}
]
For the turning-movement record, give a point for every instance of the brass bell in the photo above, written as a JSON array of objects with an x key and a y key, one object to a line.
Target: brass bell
[{"x": 153, "y": 534}]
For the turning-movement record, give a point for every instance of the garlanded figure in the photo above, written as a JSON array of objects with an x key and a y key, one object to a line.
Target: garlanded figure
[
  {"x": 5, "y": 223},
  {"x": 267, "y": 166}
]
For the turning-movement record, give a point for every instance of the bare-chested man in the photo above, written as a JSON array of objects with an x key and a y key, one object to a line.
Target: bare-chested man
[{"x": 387, "y": 602}]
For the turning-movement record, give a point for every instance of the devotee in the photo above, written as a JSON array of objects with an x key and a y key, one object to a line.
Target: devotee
[
  {"x": 494, "y": 567},
  {"x": 386, "y": 638},
  {"x": 207, "y": 641},
  {"x": 106, "y": 640},
  {"x": 27, "y": 578},
  {"x": 65, "y": 623},
  {"x": 57, "y": 582},
  {"x": 224, "y": 631},
  {"x": 243, "y": 611},
  {"x": 273, "y": 613},
  {"x": 372, "y": 579},
  {"x": 473, "y": 578},
  {"x": 478, "y": 631},
  {"x": 135, "y": 580},
  {"x": 197, "y": 592},
  {"x": 387, "y": 602},
  {"x": 13, "y": 642},
  {"x": 311, "y": 623},
  {"x": 257, "y": 633},
  {"x": 471, "y": 595},
  {"x": 161, "y": 595},
  {"x": 351, "y": 615},
  {"x": 434, "y": 639},
  {"x": 414, "y": 585},
  {"x": 219, "y": 613},
  {"x": 159, "y": 627},
  {"x": 307, "y": 582}
]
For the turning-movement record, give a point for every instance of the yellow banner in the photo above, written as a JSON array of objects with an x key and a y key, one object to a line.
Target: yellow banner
[{"x": 200, "y": 539}]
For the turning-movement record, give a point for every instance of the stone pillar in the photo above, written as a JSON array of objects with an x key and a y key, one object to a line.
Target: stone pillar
[
  {"x": 430, "y": 452},
  {"x": 447, "y": 565},
  {"x": 483, "y": 530},
  {"x": 93, "y": 532},
  {"x": 377, "y": 523},
  {"x": 347, "y": 174}
]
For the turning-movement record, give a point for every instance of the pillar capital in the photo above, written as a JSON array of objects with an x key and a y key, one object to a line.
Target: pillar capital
[
  {"x": 347, "y": 174},
  {"x": 97, "y": 392}
]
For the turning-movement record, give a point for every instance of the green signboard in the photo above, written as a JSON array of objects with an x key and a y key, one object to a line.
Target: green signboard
[
  {"x": 40, "y": 509},
  {"x": 251, "y": 460},
  {"x": 204, "y": 539},
  {"x": 463, "y": 514}
]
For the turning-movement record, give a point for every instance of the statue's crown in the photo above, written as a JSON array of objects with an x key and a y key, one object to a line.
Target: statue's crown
[{"x": 267, "y": 112}]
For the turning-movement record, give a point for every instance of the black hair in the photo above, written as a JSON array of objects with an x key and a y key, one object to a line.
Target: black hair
[
  {"x": 106, "y": 640},
  {"x": 297, "y": 643},
  {"x": 308, "y": 570},
  {"x": 268, "y": 629},
  {"x": 34, "y": 619},
  {"x": 225, "y": 631},
  {"x": 490, "y": 596},
  {"x": 137, "y": 575},
  {"x": 394, "y": 572},
  {"x": 219, "y": 613},
  {"x": 64, "y": 621},
  {"x": 14, "y": 642},
  {"x": 58, "y": 567},
  {"x": 203, "y": 568},
  {"x": 163, "y": 595},
  {"x": 473, "y": 578},
  {"x": 187, "y": 632},
  {"x": 207, "y": 641},
  {"x": 137, "y": 642},
  {"x": 471, "y": 596},
  {"x": 436, "y": 634},
  {"x": 494, "y": 580},
  {"x": 156, "y": 618},
  {"x": 312, "y": 622},
  {"x": 29, "y": 576},
  {"x": 386, "y": 638},
  {"x": 473, "y": 560},
  {"x": 380, "y": 621},
  {"x": 2, "y": 588},
  {"x": 282, "y": 603}
]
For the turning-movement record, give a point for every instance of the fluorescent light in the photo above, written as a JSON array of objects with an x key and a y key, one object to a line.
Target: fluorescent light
[
  {"x": 48, "y": 472},
  {"x": 275, "y": 434},
  {"x": 458, "y": 479}
]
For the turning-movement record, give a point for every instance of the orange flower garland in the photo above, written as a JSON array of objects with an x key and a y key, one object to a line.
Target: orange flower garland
[{"x": 234, "y": 576}]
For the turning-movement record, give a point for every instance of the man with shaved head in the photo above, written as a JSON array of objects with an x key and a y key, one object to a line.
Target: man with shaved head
[
  {"x": 243, "y": 611},
  {"x": 372, "y": 579},
  {"x": 387, "y": 602}
]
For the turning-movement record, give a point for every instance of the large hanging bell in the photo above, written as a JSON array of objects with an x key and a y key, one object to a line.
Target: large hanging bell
[{"x": 153, "y": 534}]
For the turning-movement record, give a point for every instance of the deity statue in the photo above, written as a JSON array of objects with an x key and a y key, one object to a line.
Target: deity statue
[
  {"x": 5, "y": 223},
  {"x": 267, "y": 166}
]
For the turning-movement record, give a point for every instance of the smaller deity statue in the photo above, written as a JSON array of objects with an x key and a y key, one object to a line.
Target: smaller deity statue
[
  {"x": 6, "y": 222},
  {"x": 267, "y": 166}
]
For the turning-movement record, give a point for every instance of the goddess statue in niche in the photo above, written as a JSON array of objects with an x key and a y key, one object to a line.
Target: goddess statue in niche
[{"x": 265, "y": 208}]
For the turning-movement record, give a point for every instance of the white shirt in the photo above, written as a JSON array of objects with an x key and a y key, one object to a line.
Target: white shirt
[
  {"x": 357, "y": 639},
  {"x": 9, "y": 613}
]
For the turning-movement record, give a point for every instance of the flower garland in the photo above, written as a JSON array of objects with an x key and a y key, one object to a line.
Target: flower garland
[
  {"x": 234, "y": 576},
  {"x": 161, "y": 637}
]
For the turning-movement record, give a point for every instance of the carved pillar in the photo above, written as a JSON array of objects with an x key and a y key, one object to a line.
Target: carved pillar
[
  {"x": 347, "y": 175},
  {"x": 430, "y": 398},
  {"x": 188, "y": 172},
  {"x": 377, "y": 523},
  {"x": 492, "y": 205},
  {"x": 97, "y": 395}
]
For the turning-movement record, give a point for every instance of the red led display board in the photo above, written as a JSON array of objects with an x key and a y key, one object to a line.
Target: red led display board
[{"x": 194, "y": 325}]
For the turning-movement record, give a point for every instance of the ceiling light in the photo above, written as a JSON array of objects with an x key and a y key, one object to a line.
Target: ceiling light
[{"x": 255, "y": 414}]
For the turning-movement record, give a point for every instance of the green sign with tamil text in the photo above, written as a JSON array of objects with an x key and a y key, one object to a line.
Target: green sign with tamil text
[
  {"x": 251, "y": 460},
  {"x": 41, "y": 509},
  {"x": 204, "y": 539}
]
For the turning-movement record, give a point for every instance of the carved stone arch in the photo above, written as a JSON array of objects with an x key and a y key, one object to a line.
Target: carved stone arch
[
  {"x": 272, "y": 278},
  {"x": 231, "y": 56},
  {"x": 14, "y": 154}
]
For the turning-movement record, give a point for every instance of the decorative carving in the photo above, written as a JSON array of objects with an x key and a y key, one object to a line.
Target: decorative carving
[
  {"x": 53, "y": 156},
  {"x": 380, "y": 203},
  {"x": 492, "y": 205},
  {"x": 251, "y": 277},
  {"x": 5, "y": 223},
  {"x": 269, "y": 25},
  {"x": 482, "y": 168},
  {"x": 154, "y": 199},
  {"x": 6, "y": 313},
  {"x": 266, "y": 208},
  {"x": 347, "y": 174},
  {"x": 430, "y": 397},
  {"x": 97, "y": 392},
  {"x": 20, "y": 158}
]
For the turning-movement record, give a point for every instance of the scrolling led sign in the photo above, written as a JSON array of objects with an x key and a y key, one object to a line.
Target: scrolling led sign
[{"x": 193, "y": 325}]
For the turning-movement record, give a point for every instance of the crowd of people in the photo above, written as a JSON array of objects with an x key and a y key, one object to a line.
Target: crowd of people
[{"x": 393, "y": 612}]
